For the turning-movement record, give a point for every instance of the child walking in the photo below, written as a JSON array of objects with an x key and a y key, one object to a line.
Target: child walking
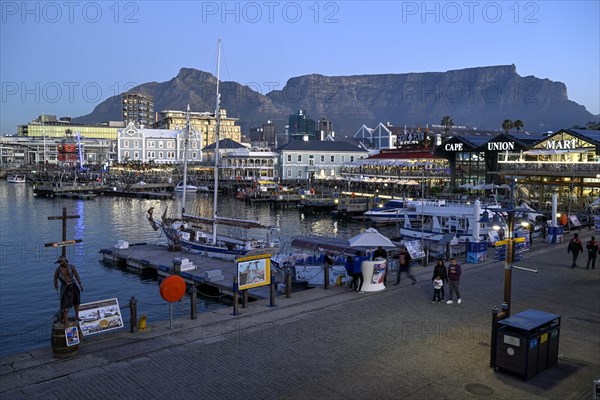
[{"x": 438, "y": 284}]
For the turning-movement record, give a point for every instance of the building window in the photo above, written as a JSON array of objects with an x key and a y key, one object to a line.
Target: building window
[
  {"x": 135, "y": 143},
  {"x": 299, "y": 173},
  {"x": 289, "y": 173},
  {"x": 289, "y": 158},
  {"x": 125, "y": 143},
  {"x": 161, "y": 154},
  {"x": 171, "y": 145},
  {"x": 150, "y": 143},
  {"x": 343, "y": 159},
  {"x": 160, "y": 144},
  {"x": 332, "y": 158},
  {"x": 322, "y": 159},
  {"x": 125, "y": 154},
  {"x": 351, "y": 158},
  {"x": 299, "y": 157},
  {"x": 136, "y": 155},
  {"x": 194, "y": 155}
]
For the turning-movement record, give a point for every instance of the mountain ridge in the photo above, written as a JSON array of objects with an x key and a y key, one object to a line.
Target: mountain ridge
[{"x": 479, "y": 97}]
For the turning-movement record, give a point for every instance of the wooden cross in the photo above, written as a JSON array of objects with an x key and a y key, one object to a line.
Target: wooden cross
[{"x": 64, "y": 241}]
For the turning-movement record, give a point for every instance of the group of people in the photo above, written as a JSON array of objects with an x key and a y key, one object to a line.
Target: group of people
[
  {"x": 450, "y": 277},
  {"x": 575, "y": 247}
]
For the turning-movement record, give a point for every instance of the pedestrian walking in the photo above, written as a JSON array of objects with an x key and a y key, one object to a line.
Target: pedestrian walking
[
  {"x": 404, "y": 266},
  {"x": 349, "y": 265},
  {"x": 592, "y": 248},
  {"x": 454, "y": 273},
  {"x": 575, "y": 247},
  {"x": 440, "y": 270},
  {"x": 438, "y": 284},
  {"x": 357, "y": 263}
]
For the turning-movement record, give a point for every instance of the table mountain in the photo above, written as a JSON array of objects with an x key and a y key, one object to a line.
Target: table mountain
[{"x": 477, "y": 97}]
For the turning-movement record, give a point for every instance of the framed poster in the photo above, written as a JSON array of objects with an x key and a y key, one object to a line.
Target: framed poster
[
  {"x": 254, "y": 271},
  {"x": 100, "y": 316},
  {"x": 72, "y": 336},
  {"x": 414, "y": 249},
  {"x": 378, "y": 272}
]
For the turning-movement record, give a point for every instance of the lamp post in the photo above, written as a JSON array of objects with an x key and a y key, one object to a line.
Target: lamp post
[{"x": 511, "y": 256}]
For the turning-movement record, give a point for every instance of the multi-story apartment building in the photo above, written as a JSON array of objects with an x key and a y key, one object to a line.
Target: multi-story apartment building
[
  {"x": 202, "y": 122},
  {"x": 138, "y": 108}
]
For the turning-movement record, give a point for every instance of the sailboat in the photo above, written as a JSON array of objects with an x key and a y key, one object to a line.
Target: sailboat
[{"x": 181, "y": 234}]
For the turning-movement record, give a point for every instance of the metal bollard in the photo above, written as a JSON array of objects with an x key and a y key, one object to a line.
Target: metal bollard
[
  {"x": 194, "y": 303},
  {"x": 235, "y": 296},
  {"x": 493, "y": 337},
  {"x": 288, "y": 284},
  {"x": 326, "y": 276},
  {"x": 133, "y": 314},
  {"x": 272, "y": 294},
  {"x": 448, "y": 252},
  {"x": 245, "y": 298}
]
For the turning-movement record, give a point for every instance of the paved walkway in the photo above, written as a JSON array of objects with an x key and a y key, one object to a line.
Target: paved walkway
[{"x": 336, "y": 344}]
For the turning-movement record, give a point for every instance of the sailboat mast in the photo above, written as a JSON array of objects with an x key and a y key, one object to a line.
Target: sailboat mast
[
  {"x": 185, "y": 153},
  {"x": 217, "y": 127}
]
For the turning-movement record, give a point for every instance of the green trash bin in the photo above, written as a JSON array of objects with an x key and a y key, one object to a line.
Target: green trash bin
[{"x": 527, "y": 343}]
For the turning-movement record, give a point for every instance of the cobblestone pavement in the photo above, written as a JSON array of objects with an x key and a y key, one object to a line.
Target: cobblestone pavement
[{"x": 336, "y": 344}]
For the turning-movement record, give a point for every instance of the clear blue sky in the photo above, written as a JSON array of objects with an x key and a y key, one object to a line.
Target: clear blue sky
[{"x": 63, "y": 59}]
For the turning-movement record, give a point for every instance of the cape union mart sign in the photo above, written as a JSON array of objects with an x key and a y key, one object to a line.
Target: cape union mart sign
[
  {"x": 567, "y": 144},
  {"x": 500, "y": 146}
]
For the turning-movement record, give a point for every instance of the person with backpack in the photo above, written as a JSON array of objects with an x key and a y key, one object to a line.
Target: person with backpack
[
  {"x": 575, "y": 247},
  {"x": 593, "y": 249}
]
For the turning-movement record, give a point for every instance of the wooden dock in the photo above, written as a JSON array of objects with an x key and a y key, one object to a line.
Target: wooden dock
[{"x": 142, "y": 256}]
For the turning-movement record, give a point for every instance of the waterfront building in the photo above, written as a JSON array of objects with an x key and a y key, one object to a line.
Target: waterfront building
[
  {"x": 138, "y": 108},
  {"x": 158, "y": 146},
  {"x": 49, "y": 126},
  {"x": 202, "y": 122},
  {"x": 301, "y": 127},
  {"x": 310, "y": 160},
  {"x": 466, "y": 154},
  {"x": 566, "y": 162},
  {"x": 240, "y": 162},
  {"x": 16, "y": 150},
  {"x": 409, "y": 164},
  {"x": 387, "y": 136}
]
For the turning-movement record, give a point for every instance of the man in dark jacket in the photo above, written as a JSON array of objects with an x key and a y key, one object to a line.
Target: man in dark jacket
[
  {"x": 454, "y": 273},
  {"x": 592, "y": 248},
  {"x": 575, "y": 247}
]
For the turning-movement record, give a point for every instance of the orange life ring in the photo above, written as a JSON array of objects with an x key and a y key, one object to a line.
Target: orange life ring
[
  {"x": 172, "y": 288},
  {"x": 312, "y": 191},
  {"x": 353, "y": 195},
  {"x": 564, "y": 219}
]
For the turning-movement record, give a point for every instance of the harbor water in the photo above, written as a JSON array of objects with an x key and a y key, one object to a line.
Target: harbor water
[{"x": 28, "y": 301}]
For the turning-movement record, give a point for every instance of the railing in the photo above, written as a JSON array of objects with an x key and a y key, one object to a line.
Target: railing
[{"x": 568, "y": 169}]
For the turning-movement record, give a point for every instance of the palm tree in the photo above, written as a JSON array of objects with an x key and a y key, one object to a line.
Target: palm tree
[
  {"x": 507, "y": 125},
  {"x": 447, "y": 123},
  {"x": 518, "y": 124}
]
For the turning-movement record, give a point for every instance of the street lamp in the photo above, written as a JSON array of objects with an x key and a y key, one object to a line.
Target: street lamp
[{"x": 510, "y": 245}]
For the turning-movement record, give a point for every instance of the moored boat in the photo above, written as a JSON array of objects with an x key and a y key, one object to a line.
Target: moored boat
[{"x": 16, "y": 178}]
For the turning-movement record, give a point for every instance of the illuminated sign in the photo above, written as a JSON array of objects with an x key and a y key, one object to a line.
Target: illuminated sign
[
  {"x": 453, "y": 147},
  {"x": 567, "y": 144},
  {"x": 500, "y": 146}
]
